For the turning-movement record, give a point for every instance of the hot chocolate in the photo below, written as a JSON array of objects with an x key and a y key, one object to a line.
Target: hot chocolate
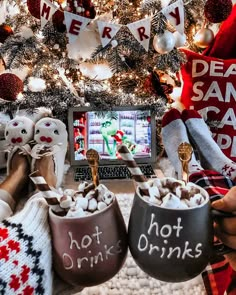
[
  {"x": 85, "y": 201},
  {"x": 174, "y": 194}
]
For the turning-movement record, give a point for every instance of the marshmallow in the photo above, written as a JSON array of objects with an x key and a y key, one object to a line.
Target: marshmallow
[
  {"x": 170, "y": 201},
  {"x": 157, "y": 182},
  {"x": 154, "y": 200},
  {"x": 196, "y": 200},
  {"x": 182, "y": 193},
  {"x": 78, "y": 195},
  {"x": 108, "y": 197},
  {"x": 163, "y": 191},
  {"x": 66, "y": 202},
  {"x": 76, "y": 212},
  {"x": 91, "y": 195},
  {"x": 69, "y": 192},
  {"x": 154, "y": 192},
  {"x": 102, "y": 189},
  {"x": 81, "y": 202},
  {"x": 82, "y": 186},
  {"x": 92, "y": 205},
  {"x": 101, "y": 205}
]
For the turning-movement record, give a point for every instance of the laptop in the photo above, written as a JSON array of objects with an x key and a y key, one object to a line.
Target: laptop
[{"x": 134, "y": 126}]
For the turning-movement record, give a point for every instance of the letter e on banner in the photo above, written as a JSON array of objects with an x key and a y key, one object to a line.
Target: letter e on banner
[
  {"x": 47, "y": 9},
  {"x": 141, "y": 31},
  {"x": 74, "y": 25},
  {"x": 107, "y": 31}
]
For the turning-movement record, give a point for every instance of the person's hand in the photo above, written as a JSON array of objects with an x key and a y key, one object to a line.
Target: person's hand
[{"x": 225, "y": 228}]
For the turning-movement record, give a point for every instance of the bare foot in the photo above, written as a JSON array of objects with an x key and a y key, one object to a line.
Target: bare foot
[
  {"x": 17, "y": 180},
  {"x": 46, "y": 168}
]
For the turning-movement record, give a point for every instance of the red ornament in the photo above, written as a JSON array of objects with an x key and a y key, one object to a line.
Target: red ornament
[
  {"x": 58, "y": 19},
  {"x": 34, "y": 7},
  {"x": 10, "y": 86},
  {"x": 217, "y": 11},
  {"x": 5, "y": 32}
]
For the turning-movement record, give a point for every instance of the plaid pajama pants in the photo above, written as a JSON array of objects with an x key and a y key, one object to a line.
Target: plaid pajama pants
[{"x": 218, "y": 276}]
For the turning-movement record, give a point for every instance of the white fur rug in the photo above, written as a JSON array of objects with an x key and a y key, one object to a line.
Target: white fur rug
[{"x": 132, "y": 281}]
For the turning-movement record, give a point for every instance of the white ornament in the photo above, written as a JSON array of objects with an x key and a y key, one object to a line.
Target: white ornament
[
  {"x": 56, "y": 46},
  {"x": 114, "y": 43},
  {"x": 36, "y": 84},
  {"x": 164, "y": 43},
  {"x": 180, "y": 39},
  {"x": 98, "y": 72}
]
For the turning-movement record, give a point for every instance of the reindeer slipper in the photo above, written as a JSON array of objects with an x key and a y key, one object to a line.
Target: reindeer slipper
[{"x": 51, "y": 139}]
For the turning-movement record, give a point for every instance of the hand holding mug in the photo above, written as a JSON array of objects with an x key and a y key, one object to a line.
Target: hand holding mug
[{"x": 225, "y": 228}]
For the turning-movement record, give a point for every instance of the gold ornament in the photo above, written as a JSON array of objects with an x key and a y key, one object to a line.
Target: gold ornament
[{"x": 203, "y": 37}]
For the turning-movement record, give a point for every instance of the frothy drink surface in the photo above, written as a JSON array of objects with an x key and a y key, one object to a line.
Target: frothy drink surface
[{"x": 174, "y": 194}]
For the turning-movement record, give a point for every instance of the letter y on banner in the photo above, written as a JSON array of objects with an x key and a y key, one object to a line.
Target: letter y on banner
[
  {"x": 175, "y": 14},
  {"x": 47, "y": 9},
  {"x": 74, "y": 25},
  {"x": 107, "y": 31},
  {"x": 141, "y": 30}
]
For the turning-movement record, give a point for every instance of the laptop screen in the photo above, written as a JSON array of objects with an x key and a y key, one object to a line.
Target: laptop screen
[{"x": 104, "y": 130}]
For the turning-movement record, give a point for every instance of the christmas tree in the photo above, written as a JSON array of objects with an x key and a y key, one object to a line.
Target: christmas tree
[{"x": 49, "y": 61}]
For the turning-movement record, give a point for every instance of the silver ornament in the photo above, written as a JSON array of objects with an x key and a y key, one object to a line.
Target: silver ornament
[
  {"x": 180, "y": 39},
  {"x": 164, "y": 43}
]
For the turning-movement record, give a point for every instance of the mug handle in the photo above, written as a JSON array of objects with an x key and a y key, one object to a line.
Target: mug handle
[{"x": 219, "y": 248}]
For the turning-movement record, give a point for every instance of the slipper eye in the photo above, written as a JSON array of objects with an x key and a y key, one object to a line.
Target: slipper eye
[
  {"x": 7, "y": 133},
  {"x": 37, "y": 131},
  {"x": 56, "y": 132},
  {"x": 23, "y": 131}
]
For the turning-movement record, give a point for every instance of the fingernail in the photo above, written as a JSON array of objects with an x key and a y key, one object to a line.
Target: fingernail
[{"x": 219, "y": 204}]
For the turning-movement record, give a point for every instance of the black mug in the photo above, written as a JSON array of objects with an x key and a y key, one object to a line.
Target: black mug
[
  {"x": 90, "y": 250},
  {"x": 172, "y": 245}
]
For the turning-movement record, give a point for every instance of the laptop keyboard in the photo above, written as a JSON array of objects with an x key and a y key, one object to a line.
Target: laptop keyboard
[{"x": 110, "y": 172}]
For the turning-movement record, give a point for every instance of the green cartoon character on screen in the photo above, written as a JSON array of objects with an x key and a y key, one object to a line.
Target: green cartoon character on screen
[{"x": 109, "y": 129}]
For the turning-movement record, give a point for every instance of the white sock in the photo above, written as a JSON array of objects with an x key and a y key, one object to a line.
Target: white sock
[
  {"x": 209, "y": 149},
  {"x": 173, "y": 134}
]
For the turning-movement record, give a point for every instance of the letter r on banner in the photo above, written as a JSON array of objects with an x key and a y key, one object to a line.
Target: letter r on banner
[
  {"x": 107, "y": 31},
  {"x": 47, "y": 9},
  {"x": 141, "y": 31}
]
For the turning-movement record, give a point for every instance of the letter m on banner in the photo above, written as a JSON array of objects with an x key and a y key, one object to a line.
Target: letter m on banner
[
  {"x": 47, "y": 9},
  {"x": 141, "y": 31}
]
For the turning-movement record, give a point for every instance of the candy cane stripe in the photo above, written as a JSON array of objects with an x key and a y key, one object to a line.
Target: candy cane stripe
[
  {"x": 127, "y": 157},
  {"x": 42, "y": 186},
  {"x": 135, "y": 171},
  {"x": 39, "y": 179}
]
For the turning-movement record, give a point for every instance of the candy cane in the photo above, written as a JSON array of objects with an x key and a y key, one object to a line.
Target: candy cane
[
  {"x": 50, "y": 196},
  {"x": 135, "y": 171}
]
